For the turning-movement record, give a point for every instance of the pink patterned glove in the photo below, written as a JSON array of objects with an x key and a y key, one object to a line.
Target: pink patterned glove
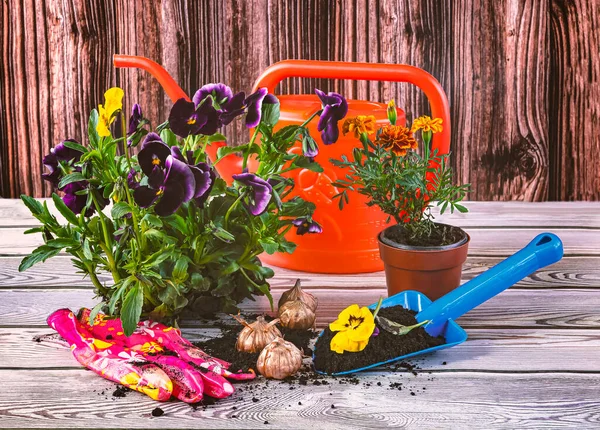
[
  {"x": 191, "y": 371},
  {"x": 112, "y": 362}
]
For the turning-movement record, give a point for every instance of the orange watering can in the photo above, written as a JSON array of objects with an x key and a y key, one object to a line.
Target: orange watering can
[{"x": 348, "y": 243}]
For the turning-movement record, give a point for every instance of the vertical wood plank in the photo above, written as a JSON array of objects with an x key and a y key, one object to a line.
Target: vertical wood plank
[
  {"x": 574, "y": 95},
  {"x": 498, "y": 90}
]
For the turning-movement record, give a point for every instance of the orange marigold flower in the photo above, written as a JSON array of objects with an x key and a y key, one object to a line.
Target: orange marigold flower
[
  {"x": 425, "y": 123},
  {"x": 397, "y": 139},
  {"x": 359, "y": 125}
]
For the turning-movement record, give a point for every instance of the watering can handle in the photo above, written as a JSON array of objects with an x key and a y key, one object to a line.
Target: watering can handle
[
  {"x": 543, "y": 250},
  {"x": 367, "y": 72}
]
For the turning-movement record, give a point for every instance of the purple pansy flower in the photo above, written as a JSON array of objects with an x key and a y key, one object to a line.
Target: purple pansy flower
[
  {"x": 59, "y": 154},
  {"x": 305, "y": 225},
  {"x": 254, "y": 104},
  {"x": 335, "y": 108},
  {"x": 229, "y": 105},
  {"x": 186, "y": 118},
  {"x": 260, "y": 195},
  {"x": 135, "y": 119},
  {"x": 131, "y": 179},
  {"x": 73, "y": 201},
  {"x": 178, "y": 186},
  {"x": 152, "y": 159},
  {"x": 203, "y": 175},
  {"x": 169, "y": 179},
  {"x": 220, "y": 93},
  {"x": 77, "y": 202}
]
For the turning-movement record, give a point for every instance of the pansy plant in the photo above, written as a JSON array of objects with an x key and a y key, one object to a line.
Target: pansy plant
[{"x": 177, "y": 237}]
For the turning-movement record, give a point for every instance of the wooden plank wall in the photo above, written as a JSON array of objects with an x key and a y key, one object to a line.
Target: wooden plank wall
[{"x": 523, "y": 76}]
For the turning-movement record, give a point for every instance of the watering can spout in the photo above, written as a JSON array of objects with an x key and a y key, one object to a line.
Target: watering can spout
[{"x": 173, "y": 90}]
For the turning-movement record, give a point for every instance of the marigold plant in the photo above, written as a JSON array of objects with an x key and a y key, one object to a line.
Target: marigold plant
[{"x": 394, "y": 176}]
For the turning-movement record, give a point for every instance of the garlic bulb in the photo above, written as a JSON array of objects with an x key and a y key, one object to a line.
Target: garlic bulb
[
  {"x": 257, "y": 335},
  {"x": 296, "y": 315},
  {"x": 297, "y": 293},
  {"x": 279, "y": 359}
]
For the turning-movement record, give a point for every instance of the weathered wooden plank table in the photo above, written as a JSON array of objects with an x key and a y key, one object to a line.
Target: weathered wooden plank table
[{"x": 532, "y": 358}]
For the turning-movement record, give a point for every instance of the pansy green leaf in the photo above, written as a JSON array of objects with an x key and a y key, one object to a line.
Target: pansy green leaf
[
  {"x": 70, "y": 178},
  {"x": 74, "y": 145},
  {"x": 64, "y": 210},
  {"x": 39, "y": 255},
  {"x": 120, "y": 209},
  {"x": 132, "y": 309},
  {"x": 32, "y": 204}
]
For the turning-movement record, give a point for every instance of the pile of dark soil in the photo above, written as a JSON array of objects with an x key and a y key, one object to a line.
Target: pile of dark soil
[
  {"x": 441, "y": 235},
  {"x": 382, "y": 347},
  {"x": 224, "y": 347}
]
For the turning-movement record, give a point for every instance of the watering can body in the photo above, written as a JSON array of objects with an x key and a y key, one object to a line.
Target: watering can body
[{"x": 348, "y": 243}]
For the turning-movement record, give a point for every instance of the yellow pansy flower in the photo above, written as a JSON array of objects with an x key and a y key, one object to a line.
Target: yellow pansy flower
[
  {"x": 427, "y": 124},
  {"x": 354, "y": 328},
  {"x": 113, "y": 103}
]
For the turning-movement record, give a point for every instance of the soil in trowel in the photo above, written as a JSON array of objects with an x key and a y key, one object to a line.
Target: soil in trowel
[{"x": 385, "y": 346}]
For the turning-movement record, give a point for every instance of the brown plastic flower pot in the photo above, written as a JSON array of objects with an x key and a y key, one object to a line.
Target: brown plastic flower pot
[{"x": 434, "y": 271}]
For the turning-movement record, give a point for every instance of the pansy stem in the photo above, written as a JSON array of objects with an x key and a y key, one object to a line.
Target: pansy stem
[
  {"x": 235, "y": 203},
  {"x": 310, "y": 118},
  {"x": 379, "y": 303},
  {"x": 140, "y": 238},
  {"x": 250, "y": 145},
  {"x": 108, "y": 243},
  {"x": 93, "y": 277}
]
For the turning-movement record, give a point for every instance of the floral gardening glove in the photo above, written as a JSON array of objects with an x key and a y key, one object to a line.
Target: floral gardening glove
[{"x": 191, "y": 372}]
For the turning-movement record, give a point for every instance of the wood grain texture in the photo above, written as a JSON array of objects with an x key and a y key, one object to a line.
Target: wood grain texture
[
  {"x": 542, "y": 309},
  {"x": 530, "y": 360},
  {"x": 478, "y": 401},
  {"x": 521, "y": 75},
  {"x": 570, "y": 272},
  {"x": 500, "y": 52},
  {"x": 485, "y": 350},
  {"x": 574, "y": 87},
  {"x": 13, "y": 213},
  {"x": 484, "y": 241}
]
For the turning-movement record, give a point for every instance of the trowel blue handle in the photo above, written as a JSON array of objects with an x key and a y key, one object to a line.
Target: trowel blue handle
[{"x": 542, "y": 251}]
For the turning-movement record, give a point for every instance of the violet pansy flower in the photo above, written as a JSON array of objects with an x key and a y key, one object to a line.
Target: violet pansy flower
[
  {"x": 220, "y": 93},
  {"x": 77, "y": 202},
  {"x": 186, "y": 118},
  {"x": 260, "y": 192},
  {"x": 254, "y": 104},
  {"x": 229, "y": 105},
  {"x": 177, "y": 187},
  {"x": 335, "y": 108},
  {"x": 59, "y": 154},
  {"x": 203, "y": 175},
  {"x": 304, "y": 225},
  {"x": 171, "y": 181},
  {"x": 135, "y": 119}
]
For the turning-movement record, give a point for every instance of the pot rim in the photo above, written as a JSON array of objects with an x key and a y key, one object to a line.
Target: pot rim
[{"x": 393, "y": 245}]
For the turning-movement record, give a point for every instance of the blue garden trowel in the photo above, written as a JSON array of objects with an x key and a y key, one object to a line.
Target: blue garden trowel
[{"x": 544, "y": 250}]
